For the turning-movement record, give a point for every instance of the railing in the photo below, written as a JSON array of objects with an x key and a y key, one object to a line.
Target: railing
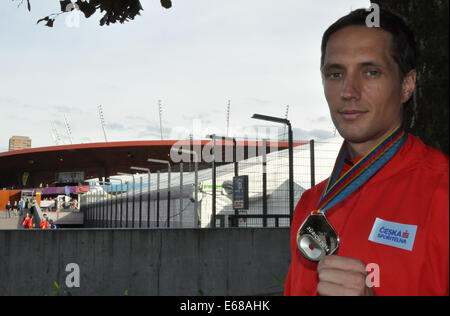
[{"x": 150, "y": 202}]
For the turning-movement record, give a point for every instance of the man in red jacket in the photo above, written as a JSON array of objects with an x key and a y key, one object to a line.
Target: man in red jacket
[
  {"x": 380, "y": 224},
  {"x": 30, "y": 222},
  {"x": 25, "y": 221},
  {"x": 44, "y": 223}
]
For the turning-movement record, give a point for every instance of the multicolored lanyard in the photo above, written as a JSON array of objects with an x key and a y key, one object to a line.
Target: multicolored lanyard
[{"x": 337, "y": 190}]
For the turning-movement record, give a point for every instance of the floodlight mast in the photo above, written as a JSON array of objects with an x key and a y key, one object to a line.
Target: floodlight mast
[
  {"x": 160, "y": 118},
  {"x": 68, "y": 130},
  {"x": 228, "y": 117},
  {"x": 55, "y": 135},
  {"x": 102, "y": 121}
]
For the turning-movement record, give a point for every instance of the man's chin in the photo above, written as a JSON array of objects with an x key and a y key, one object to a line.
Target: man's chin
[{"x": 354, "y": 137}]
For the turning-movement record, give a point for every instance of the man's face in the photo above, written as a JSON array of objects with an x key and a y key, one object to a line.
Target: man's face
[{"x": 362, "y": 84}]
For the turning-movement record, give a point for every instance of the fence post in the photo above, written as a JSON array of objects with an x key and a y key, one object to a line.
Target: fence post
[
  {"x": 117, "y": 208},
  {"x": 111, "y": 207},
  {"x": 235, "y": 222},
  {"x": 181, "y": 194},
  {"x": 312, "y": 162},
  {"x": 264, "y": 176},
  {"x": 96, "y": 209},
  {"x": 148, "y": 201},
  {"x": 104, "y": 208},
  {"x": 121, "y": 203},
  {"x": 213, "y": 224},
  {"x": 168, "y": 198},
  {"x": 291, "y": 173},
  {"x": 157, "y": 199},
  {"x": 134, "y": 199},
  {"x": 126, "y": 209},
  {"x": 140, "y": 202}
]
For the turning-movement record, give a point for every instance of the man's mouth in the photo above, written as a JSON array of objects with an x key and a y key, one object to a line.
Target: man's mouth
[{"x": 351, "y": 114}]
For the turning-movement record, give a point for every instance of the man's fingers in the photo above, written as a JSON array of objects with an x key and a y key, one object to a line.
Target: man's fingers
[
  {"x": 332, "y": 289},
  {"x": 341, "y": 276},
  {"x": 342, "y": 263},
  {"x": 348, "y": 279}
]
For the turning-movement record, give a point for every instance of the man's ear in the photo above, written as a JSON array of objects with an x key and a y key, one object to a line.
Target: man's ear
[{"x": 408, "y": 85}]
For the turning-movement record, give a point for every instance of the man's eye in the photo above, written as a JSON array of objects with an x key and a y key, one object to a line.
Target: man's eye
[
  {"x": 334, "y": 75},
  {"x": 372, "y": 73}
]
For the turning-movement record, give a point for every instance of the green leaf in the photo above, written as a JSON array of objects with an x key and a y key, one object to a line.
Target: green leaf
[{"x": 56, "y": 286}]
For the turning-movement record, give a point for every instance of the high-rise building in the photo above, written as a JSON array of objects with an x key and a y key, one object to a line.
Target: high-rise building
[{"x": 19, "y": 142}]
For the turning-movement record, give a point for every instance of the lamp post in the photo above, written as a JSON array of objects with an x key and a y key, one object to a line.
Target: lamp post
[
  {"x": 223, "y": 138},
  {"x": 291, "y": 156},
  {"x": 168, "y": 185},
  {"x": 148, "y": 192}
]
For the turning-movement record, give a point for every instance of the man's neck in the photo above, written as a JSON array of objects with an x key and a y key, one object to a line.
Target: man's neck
[{"x": 361, "y": 149}]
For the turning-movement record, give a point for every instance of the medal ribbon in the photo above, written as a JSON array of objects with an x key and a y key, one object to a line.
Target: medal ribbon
[{"x": 337, "y": 190}]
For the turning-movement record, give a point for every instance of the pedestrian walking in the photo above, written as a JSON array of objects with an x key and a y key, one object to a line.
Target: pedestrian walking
[
  {"x": 16, "y": 208},
  {"x": 8, "y": 209},
  {"x": 21, "y": 206}
]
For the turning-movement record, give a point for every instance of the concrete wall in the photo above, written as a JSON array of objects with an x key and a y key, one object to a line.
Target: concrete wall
[{"x": 233, "y": 261}]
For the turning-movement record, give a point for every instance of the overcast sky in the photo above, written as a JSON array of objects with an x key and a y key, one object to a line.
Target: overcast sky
[{"x": 260, "y": 54}]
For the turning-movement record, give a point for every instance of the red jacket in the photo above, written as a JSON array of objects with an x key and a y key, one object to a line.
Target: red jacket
[
  {"x": 25, "y": 222},
  {"x": 44, "y": 224},
  {"x": 30, "y": 223},
  {"x": 411, "y": 189}
]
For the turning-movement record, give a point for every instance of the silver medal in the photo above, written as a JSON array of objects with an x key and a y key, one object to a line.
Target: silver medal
[{"x": 316, "y": 238}]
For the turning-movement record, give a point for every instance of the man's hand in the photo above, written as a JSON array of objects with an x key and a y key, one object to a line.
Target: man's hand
[{"x": 342, "y": 276}]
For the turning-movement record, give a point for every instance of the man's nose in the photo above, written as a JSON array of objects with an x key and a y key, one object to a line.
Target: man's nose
[{"x": 351, "y": 88}]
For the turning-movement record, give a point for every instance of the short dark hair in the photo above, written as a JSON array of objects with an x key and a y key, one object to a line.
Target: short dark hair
[{"x": 403, "y": 46}]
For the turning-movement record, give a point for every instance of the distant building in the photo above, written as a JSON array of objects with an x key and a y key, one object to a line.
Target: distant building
[{"x": 19, "y": 142}]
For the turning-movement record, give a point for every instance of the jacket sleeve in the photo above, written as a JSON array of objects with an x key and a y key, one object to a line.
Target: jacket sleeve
[{"x": 438, "y": 250}]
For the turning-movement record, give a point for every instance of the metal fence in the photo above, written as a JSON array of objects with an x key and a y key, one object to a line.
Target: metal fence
[{"x": 185, "y": 198}]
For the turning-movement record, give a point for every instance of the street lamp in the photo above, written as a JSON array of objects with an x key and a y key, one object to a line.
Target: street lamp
[
  {"x": 168, "y": 185},
  {"x": 185, "y": 151},
  {"x": 214, "y": 137},
  {"x": 291, "y": 156}
]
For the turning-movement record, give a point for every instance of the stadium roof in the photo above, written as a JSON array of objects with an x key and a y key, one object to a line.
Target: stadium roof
[{"x": 97, "y": 159}]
